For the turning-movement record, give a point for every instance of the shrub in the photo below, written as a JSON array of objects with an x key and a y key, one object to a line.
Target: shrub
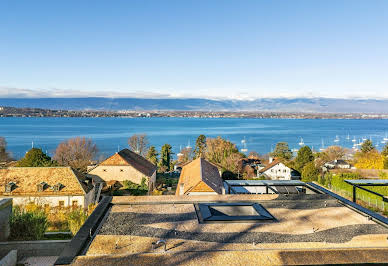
[
  {"x": 136, "y": 189},
  {"x": 75, "y": 219},
  {"x": 27, "y": 225},
  {"x": 310, "y": 172}
]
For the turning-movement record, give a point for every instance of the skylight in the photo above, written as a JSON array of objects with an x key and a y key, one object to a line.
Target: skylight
[{"x": 232, "y": 212}]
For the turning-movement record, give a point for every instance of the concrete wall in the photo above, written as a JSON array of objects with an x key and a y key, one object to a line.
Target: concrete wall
[
  {"x": 53, "y": 201},
  {"x": 33, "y": 248},
  {"x": 5, "y": 212}
]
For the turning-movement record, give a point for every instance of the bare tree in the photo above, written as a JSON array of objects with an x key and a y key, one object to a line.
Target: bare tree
[
  {"x": 76, "y": 152},
  {"x": 139, "y": 143}
]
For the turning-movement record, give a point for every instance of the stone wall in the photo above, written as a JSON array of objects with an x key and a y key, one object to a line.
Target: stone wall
[{"x": 5, "y": 212}]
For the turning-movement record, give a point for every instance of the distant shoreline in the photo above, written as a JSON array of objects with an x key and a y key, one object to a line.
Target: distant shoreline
[{"x": 37, "y": 112}]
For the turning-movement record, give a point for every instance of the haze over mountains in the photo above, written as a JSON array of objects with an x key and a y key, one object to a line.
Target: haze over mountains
[{"x": 329, "y": 105}]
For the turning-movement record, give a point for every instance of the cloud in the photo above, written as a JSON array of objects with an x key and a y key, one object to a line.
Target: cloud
[{"x": 13, "y": 92}]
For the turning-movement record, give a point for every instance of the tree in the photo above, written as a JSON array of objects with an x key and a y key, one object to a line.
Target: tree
[
  {"x": 76, "y": 152},
  {"x": 333, "y": 153},
  {"x": 186, "y": 155},
  {"x": 200, "y": 146},
  {"x": 369, "y": 160},
  {"x": 253, "y": 155},
  {"x": 385, "y": 163},
  {"x": 4, "y": 154},
  {"x": 310, "y": 172},
  {"x": 384, "y": 152},
  {"x": 223, "y": 153},
  {"x": 138, "y": 143},
  {"x": 152, "y": 155},
  {"x": 305, "y": 155},
  {"x": 165, "y": 157},
  {"x": 282, "y": 151},
  {"x": 367, "y": 146},
  {"x": 35, "y": 158}
]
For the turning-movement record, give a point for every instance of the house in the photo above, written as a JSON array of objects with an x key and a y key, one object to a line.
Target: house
[
  {"x": 269, "y": 229},
  {"x": 277, "y": 170},
  {"x": 124, "y": 165},
  {"x": 200, "y": 177},
  {"x": 50, "y": 186},
  {"x": 337, "y": 164}
]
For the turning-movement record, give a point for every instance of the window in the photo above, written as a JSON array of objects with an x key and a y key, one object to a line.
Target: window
[
  {"x": 41, "y": 186},
  {"x": 61, "y": 204},
  {"x": 57, "y": 187},
  {"x": 232, "y": 212},
  {"x": 46, "y": 206},
  {"x": 121, "y": 170},
  {"x": 74, "y": 203},
  {"x": 10, "y": 186},
  {"x": 285, "y": 171},
  {"x": 104, "y": 170}
]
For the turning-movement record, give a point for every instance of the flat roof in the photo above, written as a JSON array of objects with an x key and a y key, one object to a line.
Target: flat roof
[
  {"x": 264, "y": 182},
  {"x": 367, "y": 181},
  {"x": 306, "y": 229}
]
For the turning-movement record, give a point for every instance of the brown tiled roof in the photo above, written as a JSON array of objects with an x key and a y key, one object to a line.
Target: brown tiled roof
[
  {"x": 274, "y": 162},
  {"x": 127, "y": 157},
  {"x": 200, "y": 176},
  {"x": 27, "y": 179}
]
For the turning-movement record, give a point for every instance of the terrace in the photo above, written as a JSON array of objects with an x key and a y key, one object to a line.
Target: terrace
[{"x": 261, "y": 229}]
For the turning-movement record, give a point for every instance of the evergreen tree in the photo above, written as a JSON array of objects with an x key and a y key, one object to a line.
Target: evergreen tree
[
  {"x": 384, "y": 152},
  {"x": 36, "y": 158},
  {"x": 310, "y": 172},
  {"x": 282, "y": 151},
  {"x": 4, "y": 154},
  {"x": 305, "y": 155},
  {"x": 200, "y": 146},
  {"x": 386, "y": 163},
  {"x": 152, "y": 155},
  {"x": 165, "y": 157},
  {"x": 367, "y": 146}
]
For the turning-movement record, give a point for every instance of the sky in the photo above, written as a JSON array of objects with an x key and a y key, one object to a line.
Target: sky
[{"x": 213, "y": 49}]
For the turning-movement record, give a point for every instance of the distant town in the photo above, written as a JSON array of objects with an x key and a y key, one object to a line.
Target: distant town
[{"x": 37, "y": 112}]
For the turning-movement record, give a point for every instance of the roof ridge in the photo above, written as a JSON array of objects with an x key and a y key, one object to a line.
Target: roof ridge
[{"x": 79, "y": 182}]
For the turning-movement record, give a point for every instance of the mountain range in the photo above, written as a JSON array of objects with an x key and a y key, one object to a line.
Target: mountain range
[{"x": 326, "y": 105}]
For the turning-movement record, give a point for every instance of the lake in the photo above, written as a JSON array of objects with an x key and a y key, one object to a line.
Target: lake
[{"x": 261, "y": 135}]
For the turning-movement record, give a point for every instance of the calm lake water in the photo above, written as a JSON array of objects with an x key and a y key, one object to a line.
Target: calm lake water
[{"x": 112, "y": 133}]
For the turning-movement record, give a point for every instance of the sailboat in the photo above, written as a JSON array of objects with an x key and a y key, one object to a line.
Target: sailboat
[
  {"x": 336, "y": 139},
  {"x": 348, "y": 137},
  {"x": 301, "y": 143},
  {"x": 323, "y": 146},
  {"x": 354, "y": 139},
  {"x": 386, "y": 137},
  {"x": 244, "y": 142},
  {"x": 188, "y": 145}
]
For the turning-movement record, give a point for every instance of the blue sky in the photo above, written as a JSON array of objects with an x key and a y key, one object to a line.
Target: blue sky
[{"x": 217, "y": 49}]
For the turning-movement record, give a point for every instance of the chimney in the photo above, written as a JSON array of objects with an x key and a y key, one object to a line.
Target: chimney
[
  {"x": 181, "y": 189},
  {"x": 270, "y": 159}
]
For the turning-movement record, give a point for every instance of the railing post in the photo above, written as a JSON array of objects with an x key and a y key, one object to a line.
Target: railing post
[{"x": 354, "y": 193}]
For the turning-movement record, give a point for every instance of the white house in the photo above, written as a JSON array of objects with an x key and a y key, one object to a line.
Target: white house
[
  {"x": 341, "y": 164},
  {"x": 51, "y": 186},
  {"x": 276, "y": 170}
]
